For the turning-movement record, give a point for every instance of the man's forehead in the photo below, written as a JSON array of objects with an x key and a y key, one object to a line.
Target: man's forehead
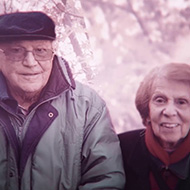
[{"x": 26, "y": 42}]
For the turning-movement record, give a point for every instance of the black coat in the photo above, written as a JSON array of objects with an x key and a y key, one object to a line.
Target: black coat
[{"x": 138, "y": 163}]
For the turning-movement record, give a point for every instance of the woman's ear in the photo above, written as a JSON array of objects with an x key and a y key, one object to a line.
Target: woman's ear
[{"x": 148, "y": 121}]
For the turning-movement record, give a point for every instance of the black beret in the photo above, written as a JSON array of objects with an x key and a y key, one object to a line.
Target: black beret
[{"x": 26, "y": 26}]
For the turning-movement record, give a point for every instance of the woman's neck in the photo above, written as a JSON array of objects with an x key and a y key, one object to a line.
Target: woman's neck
[{"x": 169, "y": 146}]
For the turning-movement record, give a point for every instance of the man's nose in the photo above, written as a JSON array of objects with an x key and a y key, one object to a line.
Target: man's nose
[
  {"x": 170, "y": 110},
  {"x": 29, "y": 59}
]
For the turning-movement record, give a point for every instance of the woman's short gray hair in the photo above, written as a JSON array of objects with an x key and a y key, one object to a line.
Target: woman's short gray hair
[{"x": 173, "y": 71}]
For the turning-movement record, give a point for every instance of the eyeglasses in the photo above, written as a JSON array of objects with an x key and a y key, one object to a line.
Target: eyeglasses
[{"x": 19, "y": 53}]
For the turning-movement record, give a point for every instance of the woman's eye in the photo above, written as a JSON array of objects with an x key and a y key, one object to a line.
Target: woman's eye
[
  {"x": 182, "y": 102},
  {"x": 159, "y": 100}
]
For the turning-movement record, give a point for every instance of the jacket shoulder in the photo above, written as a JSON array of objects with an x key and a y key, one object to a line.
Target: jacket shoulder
[
  {"x": 130, "y": 137},
  {"x": 135, "y": 158},
  {"x": 132, "y": 143},
  {"x": 87, "y": 95}
]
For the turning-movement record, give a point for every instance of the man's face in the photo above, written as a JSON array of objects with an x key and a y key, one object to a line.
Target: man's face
[{"x": 27, "y": 74}]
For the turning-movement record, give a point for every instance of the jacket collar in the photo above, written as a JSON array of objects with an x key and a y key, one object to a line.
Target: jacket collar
[
  {"x": 3, "y": 88},
  {"x": 60, "y": 80},
  {"x": 178, "y": 161}
]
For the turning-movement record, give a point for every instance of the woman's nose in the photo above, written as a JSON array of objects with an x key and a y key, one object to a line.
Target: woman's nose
[{"x": 170, "y": 110}]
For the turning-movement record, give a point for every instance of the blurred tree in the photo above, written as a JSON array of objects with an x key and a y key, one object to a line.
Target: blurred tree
[{"x": 128, "y": 38}]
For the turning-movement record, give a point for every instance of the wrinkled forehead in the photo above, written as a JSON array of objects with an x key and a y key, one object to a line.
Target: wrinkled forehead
[
  {"x": 161, "y": 80},
  {"x": 26, "y": 43}
]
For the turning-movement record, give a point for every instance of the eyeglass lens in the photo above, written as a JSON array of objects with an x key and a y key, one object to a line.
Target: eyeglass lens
[{"x": 19, "y": 53}]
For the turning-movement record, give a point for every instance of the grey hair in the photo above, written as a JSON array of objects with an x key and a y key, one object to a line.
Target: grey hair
[{"x": 173, "y": 71}]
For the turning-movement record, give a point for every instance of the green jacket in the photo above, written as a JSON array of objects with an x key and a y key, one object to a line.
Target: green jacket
[{"x": 68, "y": 139}]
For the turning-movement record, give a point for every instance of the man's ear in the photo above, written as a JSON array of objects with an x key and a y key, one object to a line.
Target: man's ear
[
  {"x": 55, "y": 45},
  {"x": 2, "y": 58}
]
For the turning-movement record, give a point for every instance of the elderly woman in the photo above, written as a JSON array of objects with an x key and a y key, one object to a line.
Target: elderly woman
[{"x": 158, "y": 157}]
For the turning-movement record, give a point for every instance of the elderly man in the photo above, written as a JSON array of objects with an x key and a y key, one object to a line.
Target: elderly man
[{"x": 55, "y": 133}]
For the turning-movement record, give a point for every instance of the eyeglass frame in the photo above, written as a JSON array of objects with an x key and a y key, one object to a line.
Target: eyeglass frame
[{"x": 25, "y": 54}]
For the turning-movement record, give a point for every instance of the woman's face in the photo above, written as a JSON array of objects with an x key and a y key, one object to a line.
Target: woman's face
[{"x": 169, "y": 108}]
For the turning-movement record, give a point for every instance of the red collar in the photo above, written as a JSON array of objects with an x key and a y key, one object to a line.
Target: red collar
[{"x": 155, "y": 149}]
